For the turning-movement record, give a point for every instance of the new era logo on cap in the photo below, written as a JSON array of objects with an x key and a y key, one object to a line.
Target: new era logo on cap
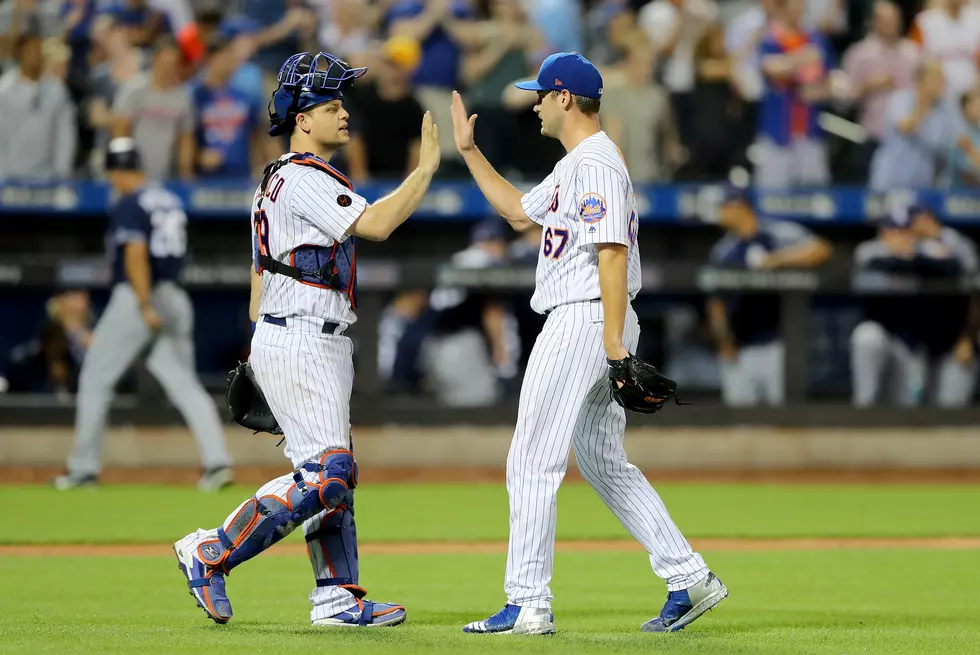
[{"x": 568, "y": 71}]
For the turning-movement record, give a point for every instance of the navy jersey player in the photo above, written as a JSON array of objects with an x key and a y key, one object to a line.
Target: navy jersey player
[
  {"x": 902, "y": 337},
  {"x": 147, "y": 242},
  {"x": 746, "y": 326}
]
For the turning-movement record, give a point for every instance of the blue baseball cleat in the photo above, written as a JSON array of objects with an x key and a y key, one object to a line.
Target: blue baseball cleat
[
  {"x": 366, "y": 614},
  {"x": 516, "y": 620},
  {"x": 684, "y": 606},
  {"x": 206, "y": 585}
]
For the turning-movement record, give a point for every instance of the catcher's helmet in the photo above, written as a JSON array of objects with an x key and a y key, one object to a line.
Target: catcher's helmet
[{"x": 305, "y": 81}]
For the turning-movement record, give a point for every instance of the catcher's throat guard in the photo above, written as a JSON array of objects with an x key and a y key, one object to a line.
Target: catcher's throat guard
[
  {"x": 640, "y": 387},
  {"x": 246, "y": 404}
]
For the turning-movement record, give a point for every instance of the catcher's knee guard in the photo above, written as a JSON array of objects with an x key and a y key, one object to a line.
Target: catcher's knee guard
[{"x": 264, "y": 519}]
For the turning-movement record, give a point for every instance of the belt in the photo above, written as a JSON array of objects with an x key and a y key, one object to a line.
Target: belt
[{"x": 329, "y": 327}]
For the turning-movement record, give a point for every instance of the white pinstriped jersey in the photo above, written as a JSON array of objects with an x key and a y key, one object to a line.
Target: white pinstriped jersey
[
  {"x": 303, "y": 205},
  {"x": 586, "y": 200}
]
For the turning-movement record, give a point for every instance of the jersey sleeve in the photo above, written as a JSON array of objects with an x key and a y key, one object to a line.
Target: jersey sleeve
[
  {"x": 131, "y": 223},
  {"x": 538, "y": 201},
  {"x": 603, "y": 205},
  {"x": 326, "y": 204}
]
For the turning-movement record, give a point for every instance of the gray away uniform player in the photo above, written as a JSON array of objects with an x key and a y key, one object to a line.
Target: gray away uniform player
[
  {"x": 588, "y": 271},
  {"x": 305, "y": 217},
  {"x": 147, "y": 241},
  {"x": 746, "y": 325},
  {"x": 892, "y": 348}
]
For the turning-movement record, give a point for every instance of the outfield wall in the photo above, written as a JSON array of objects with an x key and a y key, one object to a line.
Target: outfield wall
[{"x": 461, "y": 447}]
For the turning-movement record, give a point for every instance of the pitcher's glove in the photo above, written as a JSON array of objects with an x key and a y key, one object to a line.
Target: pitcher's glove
[
  {"x": 246, "y": 403},
  {"x": 644, "y": 389}
]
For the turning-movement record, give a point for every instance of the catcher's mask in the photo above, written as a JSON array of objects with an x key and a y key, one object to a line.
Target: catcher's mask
[{"x": 305, "y": 81}]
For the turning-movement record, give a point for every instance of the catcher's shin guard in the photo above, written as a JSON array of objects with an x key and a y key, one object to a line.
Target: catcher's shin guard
[
  {"x": 331, "y": 543},
  {"x": 279, "y": 506}
]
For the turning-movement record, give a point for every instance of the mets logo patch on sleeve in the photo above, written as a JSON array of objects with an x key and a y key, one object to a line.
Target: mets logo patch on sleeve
[{"x": 592, "y": 209}]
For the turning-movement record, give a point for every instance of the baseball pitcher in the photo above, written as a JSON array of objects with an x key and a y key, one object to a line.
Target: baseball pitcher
[
  {"x": 305, "y": 217},
  {"x": 581, "y": 373}
]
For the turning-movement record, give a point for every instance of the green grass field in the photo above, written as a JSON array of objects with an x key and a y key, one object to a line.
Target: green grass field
[{"x": 811, "y": 601}]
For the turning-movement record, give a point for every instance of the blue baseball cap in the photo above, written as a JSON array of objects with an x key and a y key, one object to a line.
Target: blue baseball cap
[{"x": 567, "y": 71}]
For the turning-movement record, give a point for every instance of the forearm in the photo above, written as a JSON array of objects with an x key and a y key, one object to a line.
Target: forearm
[
  {"x": 718, "y": 323},
  {"x": 417, "y": 28},
  {"x": 254, "y": 294},
  {"x": 383, "y": 217},
  {"x": 615, "y": 298},
  {"x": 65, "y": 144},
  {"x": 478, "y": 64},
  {"x": 185, "y": 155},
  {"x": 804, "y": 256},
  {"x": 493, "y": 327},
  {"x": 500, "y": 193},
  {"x": 137, "y": 265}
]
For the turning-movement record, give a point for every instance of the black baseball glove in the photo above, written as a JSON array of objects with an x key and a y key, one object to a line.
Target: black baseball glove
[
  {"x": 644, "y": 389},
  {"x": 246, "y": 403}
]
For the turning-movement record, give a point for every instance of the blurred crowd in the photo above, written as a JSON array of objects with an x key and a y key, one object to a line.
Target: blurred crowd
[{"x": 793, "y": 92}]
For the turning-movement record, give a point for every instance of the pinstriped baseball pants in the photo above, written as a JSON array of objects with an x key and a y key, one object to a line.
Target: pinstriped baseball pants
[{"x": 565, "y": 401}]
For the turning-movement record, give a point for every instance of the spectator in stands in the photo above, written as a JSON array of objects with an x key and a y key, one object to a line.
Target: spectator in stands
[
  {"x": 157, "y": 111},
  {"x": 560, "y": 21},
  {"x": 286, "y": 22},
  {"x": 950, "y": 33},
  {"x": 509, "y": 47},
  {"x": 746, "y": 326},
  {"x": 598, "y": 27},
  {"x": 674, "y": 27},
  {"x": 964, "y": 160},
  {"x": 716, "y": 139},
  {"x": 22, "y": 17},
  {"x": 243, "y": 33},
  {"x": 345, "y": 28},
  {"x": 144, "y": 23},
  {"x": 636, "y": 112},
  {"x": 122, "y": 62},
  {"x": 443, "y": 27},
  {"x": 826, "y": 16},
  {"x": 229, "y": 123},
  {"x": 792, "y": 149},
  {"x": 38, "y": 131},
  {"x": 386, "y": 117},
  {"x": 921, "y": 124},
  {"x": 743, "y": 35},
  {"x": 875, "y": 66},
  {"x": 78, "y": 18}
]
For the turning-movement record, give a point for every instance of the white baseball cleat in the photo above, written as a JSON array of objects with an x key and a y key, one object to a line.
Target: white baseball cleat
[
  {"x": 516, "y": 620},
  {"x": 215, "y": 479}
]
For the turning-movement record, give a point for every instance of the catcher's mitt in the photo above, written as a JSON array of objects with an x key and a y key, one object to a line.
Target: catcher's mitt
[
  {"x": 644, "y": 389},
  {"x": 246, "y": 403}
]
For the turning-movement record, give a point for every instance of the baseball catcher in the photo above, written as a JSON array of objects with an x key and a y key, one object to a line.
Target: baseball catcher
[{"x": 640, "y": 387}]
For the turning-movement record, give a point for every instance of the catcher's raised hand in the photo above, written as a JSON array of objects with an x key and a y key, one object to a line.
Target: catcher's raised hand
[{"x": 638, "y": 386}]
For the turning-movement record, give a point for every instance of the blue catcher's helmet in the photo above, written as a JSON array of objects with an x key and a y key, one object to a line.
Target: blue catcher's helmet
[{"x": 307, "y": 80}]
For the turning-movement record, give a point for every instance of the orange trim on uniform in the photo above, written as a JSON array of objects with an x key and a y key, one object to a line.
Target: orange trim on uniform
[{"x": 309, "y": 160}]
